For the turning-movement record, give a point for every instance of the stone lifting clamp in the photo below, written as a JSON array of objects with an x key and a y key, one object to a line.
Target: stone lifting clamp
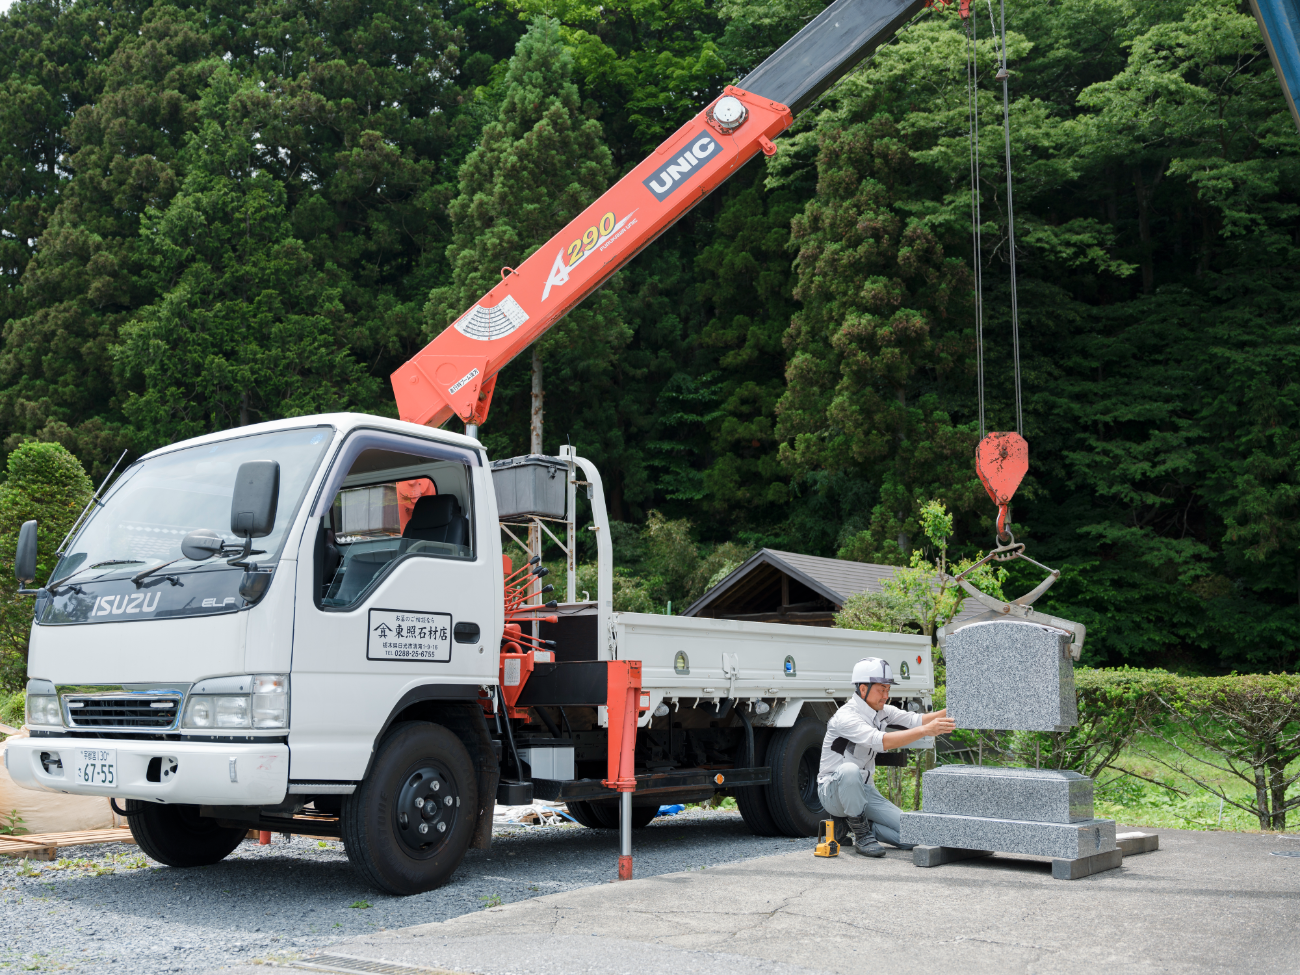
[{"x": 1001, "y": 461}]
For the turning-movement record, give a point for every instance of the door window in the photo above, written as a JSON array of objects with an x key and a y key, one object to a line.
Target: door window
[{"x": 392, "y": 506}]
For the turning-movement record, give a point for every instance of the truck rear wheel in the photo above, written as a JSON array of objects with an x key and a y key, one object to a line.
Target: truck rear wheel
[
  {"x": 603, "y": 814},
  {"x": 178, "y": 836},
  {"x": 407, "y": 826},
  {"x": 794, "y": 755}
]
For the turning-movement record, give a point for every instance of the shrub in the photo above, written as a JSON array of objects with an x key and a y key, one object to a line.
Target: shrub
[
  {"x": 47, "y": 483},
  {"x": 13, "y": 712},
  {"x": 1250, "y": 725},
  {"x": 1114, "y": 706}
]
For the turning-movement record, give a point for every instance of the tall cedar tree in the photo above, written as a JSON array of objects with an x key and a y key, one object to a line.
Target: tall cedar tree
[
  {"x": 86, "y": 278},
  {"x": 537, "y": 166},
  {"x": 248, "y": 327},
  {"x": 885, "y": 321}
]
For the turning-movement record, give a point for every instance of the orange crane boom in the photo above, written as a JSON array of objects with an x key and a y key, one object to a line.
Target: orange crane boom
[{"x": 455, "y": 374}]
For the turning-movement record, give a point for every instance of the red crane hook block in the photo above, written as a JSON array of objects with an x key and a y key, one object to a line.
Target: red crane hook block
[{"x": 1001, "y": 461}]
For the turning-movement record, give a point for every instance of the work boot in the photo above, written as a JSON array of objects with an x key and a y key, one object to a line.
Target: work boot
[
  {"x": 864, "y": 840},
  {"x": 842, "y": 831}
]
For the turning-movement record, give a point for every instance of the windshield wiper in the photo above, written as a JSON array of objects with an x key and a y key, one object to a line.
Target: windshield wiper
[
  {"x": 141, "y": 576},
  {"x": 50, "y": 587}
]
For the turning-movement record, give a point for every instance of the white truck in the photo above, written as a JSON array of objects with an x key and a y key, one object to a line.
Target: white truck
[{"x": 298, "y": 627}]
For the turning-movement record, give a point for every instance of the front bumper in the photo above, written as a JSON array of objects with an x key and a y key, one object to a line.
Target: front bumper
[{"x": 207, "y": 773}]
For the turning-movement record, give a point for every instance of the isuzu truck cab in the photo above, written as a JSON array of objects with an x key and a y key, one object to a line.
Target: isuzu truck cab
[{"x": 300, "y": 627}]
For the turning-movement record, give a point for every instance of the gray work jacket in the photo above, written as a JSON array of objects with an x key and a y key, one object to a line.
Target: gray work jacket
[{"x": 865, "y": 730}]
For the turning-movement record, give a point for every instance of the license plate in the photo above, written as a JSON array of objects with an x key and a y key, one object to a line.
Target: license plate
[{"x": 95, "y": 766}]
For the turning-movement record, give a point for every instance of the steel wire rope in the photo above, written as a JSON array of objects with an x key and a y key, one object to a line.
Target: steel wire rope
[
  {"x": 973, "y": 126},
  {"x": 1004, "y": 74}
]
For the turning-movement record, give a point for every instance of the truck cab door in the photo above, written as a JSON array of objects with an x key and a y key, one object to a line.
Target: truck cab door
[{"x": 399, "y": 595}]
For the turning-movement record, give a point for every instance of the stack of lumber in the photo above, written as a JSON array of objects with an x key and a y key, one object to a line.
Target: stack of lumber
[{"x": 45, "y": 846}]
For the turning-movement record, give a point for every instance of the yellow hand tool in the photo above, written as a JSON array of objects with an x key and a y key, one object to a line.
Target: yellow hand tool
[{"x": 827, "y": 846}]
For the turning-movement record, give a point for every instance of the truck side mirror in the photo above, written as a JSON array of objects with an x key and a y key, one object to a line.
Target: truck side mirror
[
  {"x": 25, "y": 557},
  {"x": 257, "y": 492},
  {"x": 201, "y": 544}
]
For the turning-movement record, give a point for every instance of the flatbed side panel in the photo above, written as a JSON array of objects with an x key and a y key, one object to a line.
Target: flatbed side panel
[{"x": 749, "y": 659}]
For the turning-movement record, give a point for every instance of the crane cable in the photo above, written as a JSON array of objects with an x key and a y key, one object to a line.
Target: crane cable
[
  {"x": 973, "y": 121},
  {"x": 972, "y": 97}
]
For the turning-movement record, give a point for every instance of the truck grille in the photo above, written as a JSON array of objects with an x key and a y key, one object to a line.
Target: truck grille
[{"x": 136, "y": 711}]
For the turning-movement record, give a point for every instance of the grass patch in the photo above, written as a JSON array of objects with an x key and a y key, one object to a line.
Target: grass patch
[{"x": 1163, "y": 797}]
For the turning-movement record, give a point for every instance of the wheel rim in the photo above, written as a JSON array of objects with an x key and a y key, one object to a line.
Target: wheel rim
[
  {"x": 427, "y": 807},
  {"x": 806, "y": 779}
]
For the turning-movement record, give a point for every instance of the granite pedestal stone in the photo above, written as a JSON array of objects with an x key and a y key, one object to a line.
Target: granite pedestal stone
[
  {"x": 1035, "y": 795},
  {"x": 1068, "y": 841},
  {"x": 1011, "y": 675}
]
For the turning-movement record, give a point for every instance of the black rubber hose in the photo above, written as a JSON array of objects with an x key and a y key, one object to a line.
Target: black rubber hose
[
  {"x": 514, "y": 752},
  {"x": 749, "y": 737},
  {"x": 549, "y": 722},
  {"x": 122, "y": 812}
]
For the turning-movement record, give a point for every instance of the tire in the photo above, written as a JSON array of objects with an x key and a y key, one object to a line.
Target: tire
[
  {"x": 178, "y": 836},
  {"x": 582, "y": 814},
  {"x": 605, "y": 812},
  {"x": 752, "y": 799},
  {"x": 794, "y": 755},
  {"x": 417, "y": 768}
]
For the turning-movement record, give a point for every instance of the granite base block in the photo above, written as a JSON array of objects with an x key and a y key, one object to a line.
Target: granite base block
[
  {"x": 1029, "y": 794},
  {"x": 1068, "y": 841},
  {"x": 1011, "y": 675},
  {"x": 1134, "y": 843},
  {"x": 1086, "y": 866},
  {"x": 933, "y": 856}
]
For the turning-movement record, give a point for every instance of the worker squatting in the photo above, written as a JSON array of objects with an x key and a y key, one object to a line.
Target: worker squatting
[{"x": 855, "y": 735}]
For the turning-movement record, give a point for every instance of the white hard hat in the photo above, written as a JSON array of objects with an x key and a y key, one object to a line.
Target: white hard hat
[{"x": 872, "y": 670}]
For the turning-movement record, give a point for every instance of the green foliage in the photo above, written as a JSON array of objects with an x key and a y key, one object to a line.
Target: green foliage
[
  {"x": 13, "y": 712},
  {"x": 922, "y": 596},
  {"x": 1114, "y": 707},
  {"x": 247, "y": 328},
  {"x": 46, "y": 483},
  {"x": 13, "y": 824},
  {"x": 214, "y": 216},
  {"x": 1245, "y": 725}
]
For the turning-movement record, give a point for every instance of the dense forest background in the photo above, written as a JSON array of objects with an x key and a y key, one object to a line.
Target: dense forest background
[{"x": 220, "y": 212}]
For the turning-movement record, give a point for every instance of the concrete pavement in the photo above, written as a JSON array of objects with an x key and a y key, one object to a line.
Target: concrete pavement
[{"x": 1205, "y": 902}]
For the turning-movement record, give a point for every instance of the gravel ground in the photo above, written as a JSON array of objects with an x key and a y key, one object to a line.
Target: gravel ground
[{"x": 110, "y": 908}]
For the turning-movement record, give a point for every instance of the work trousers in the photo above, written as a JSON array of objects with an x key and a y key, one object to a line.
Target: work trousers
[{"x": 845, "y": 794}]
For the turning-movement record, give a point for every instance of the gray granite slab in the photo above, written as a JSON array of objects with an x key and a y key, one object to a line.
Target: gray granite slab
[
  {"x": 1134, "y": 843},
  {"x": 1086, "y": 866},
  {"x": 934, "y": 856},
  {"x": 1011, "y": 675},
  {"x": 1030, "y": 794},
  {"x": 1067, "y": 841}
]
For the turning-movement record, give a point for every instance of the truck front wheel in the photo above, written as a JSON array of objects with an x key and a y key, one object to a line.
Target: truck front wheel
[
  {"x": 407, "y": 826},
  {"x": 178, "y": 836}
]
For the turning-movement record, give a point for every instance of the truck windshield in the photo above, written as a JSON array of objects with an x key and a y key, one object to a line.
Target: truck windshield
[{"x": 154, "y": 505}]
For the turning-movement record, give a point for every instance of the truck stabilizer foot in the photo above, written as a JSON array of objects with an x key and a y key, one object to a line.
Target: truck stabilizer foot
[{"x": 624, "y": 868}]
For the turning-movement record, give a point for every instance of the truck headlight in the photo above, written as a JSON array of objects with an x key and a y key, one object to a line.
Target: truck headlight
[
  {"x": 264, "y": 704},
  {"x": 43, "y": 710}
]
